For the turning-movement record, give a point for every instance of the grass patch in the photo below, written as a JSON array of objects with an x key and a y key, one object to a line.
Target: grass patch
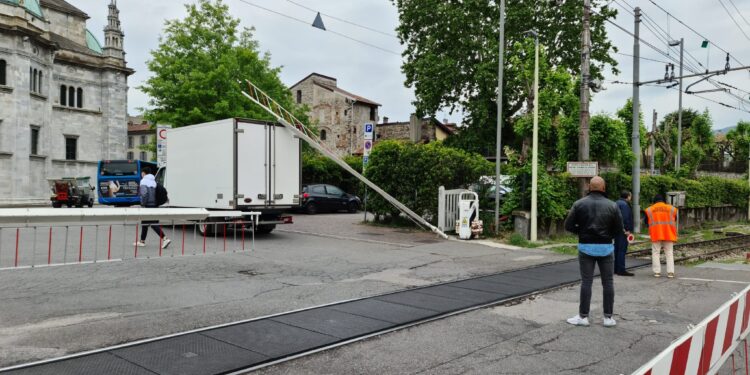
[{"x": 518, "y": 240}]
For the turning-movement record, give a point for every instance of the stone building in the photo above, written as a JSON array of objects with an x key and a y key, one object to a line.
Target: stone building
[
  {"x": 339, "y": 115},
  {"x": 140, "y": 132},
  {"x": 425, "y": 130},
  {"x": 63, "y": 96}
]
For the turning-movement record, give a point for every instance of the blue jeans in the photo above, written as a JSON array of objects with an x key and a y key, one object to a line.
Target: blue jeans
[
  {"x": 621, "y": 248},
  {"x": 588, "y": 263}
]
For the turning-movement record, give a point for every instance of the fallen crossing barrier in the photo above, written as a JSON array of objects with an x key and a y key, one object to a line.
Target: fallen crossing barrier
[{"x": 706, "y": 347}]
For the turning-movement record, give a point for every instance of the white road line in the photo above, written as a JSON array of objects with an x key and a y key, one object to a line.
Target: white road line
[{"x": 712, "y": 280}]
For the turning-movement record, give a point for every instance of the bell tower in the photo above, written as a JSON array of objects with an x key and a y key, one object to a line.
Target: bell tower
[{"x": 113, "y": 35}]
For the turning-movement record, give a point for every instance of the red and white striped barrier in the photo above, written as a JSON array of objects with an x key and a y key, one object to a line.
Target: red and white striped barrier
[{"x": 705, "y": 348}]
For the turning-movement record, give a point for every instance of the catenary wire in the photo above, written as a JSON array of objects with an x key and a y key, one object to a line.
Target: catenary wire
[
  {"x": 734, "y": 20},
  {"x": 343, "y": 20}
]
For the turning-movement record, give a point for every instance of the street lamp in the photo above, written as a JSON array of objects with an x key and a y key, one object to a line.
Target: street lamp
[{"x": 535, "y": 139}]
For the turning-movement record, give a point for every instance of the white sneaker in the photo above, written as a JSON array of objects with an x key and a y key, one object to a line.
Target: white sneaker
[
  {"x": 165, "y": 243},
  {"x": 578, "y": 321},
  {"x": 609, "y": 322},
  {"x": 140, "y": 244}
]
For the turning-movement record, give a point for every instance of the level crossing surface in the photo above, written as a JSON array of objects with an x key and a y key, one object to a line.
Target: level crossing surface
[{"x": 267, "y": 340}]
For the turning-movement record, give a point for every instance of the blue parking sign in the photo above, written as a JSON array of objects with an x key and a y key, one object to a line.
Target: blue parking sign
[{"x": 368, "y": 128}]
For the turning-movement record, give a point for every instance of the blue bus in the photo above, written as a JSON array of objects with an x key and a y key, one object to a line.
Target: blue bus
[{"x": 117, "y": 181}]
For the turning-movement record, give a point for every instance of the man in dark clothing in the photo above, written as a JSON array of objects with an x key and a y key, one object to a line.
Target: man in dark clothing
[
  {"x": 621, "y": 240},
  {"x": 596, "y": 220}
]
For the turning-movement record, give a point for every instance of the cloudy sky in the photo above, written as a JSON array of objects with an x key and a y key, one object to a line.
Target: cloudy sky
[{"x": 375, "y": 72}]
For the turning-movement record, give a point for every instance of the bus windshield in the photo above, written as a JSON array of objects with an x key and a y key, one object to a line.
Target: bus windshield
[{"x": 119, "y": 168}]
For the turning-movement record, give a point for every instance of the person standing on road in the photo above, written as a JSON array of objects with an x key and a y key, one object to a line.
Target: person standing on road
[
  {"x": 621, "y": 240},
  {"x": 596, "y": 220},
  {"x": 147, "y": 192},
  {"x": 662, "y": 227}
]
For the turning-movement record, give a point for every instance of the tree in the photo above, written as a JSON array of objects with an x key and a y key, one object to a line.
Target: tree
[
  {"x": 739, "y": 142},
  {"x": 198, "y": 64},
  {"x": 698, "y": 142},
  {"x": 452, "y": 55}
]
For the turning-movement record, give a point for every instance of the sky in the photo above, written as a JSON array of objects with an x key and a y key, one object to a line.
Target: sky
[{"x": 374, "y": 71}]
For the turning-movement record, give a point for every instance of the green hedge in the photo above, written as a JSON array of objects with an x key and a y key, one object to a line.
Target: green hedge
[
  {"x": 701, "y": 192},
  {"x": 412, "y": 173}
]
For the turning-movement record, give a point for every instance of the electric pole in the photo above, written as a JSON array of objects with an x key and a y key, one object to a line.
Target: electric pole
[
  {"x": 583, "y": 132},
  {"x": 499, "y": 149},
  {"x": 679, "y": 112},
  {"x": 652, "y": 149},
  {"x": 636, "y": 124}
]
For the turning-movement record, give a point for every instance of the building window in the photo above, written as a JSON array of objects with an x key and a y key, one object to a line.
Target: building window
[
  {"x": 143, "y": 139},
  {"x": 3, "y": 66},
  {"x": 299, "y": 96},
  {"x": 39, "y": 83},
  {"x": 323, "y": 135},
  {"x": 130, "y": 142},
  {"x": 32, "y": 79},
  {"x": 79, "y": 98},
  {"x": 372, "y": 114},
  {"x": 71, "y": 148},
  {"x": 130, "y": 155},
  {"x": 34, "y": 140},
  {"x": 71, "y": 96},
  {"x": 63, "y": 95},
  {"x": 143, "y": 156}
]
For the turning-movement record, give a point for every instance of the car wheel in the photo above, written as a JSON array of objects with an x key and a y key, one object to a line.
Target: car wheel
[
  {"x": 311, "y": 209},
  {"x": 56, "y": 204},
  {"x": 353, "y": 207}
]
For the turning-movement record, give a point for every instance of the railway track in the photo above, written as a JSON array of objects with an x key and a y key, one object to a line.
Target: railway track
[{"x": 703, "y": 250}]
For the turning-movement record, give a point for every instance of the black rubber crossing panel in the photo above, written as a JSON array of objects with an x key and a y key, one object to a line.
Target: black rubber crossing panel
[
  {"x": 440, "y": 305},
  {"x": 333, "y": 323},
  {"x": 271, "y": 338},
  {"x": 385, "y": 311},
  {"x": 240, "y": 346},
  {"x": 451, "y": 291},
  {"x": 189, "y": 354},
  {"x": 93, "y": 364}
]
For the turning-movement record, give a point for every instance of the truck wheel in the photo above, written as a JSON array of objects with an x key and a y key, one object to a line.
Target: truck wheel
[
  {"x": 311, "y": 209},
  {"x": 69, "y": 204},
  {"x": 265, "y": 228},
  {"x": 353, "y": 207}
]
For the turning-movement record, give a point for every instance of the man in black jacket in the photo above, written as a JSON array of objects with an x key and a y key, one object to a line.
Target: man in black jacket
[{"x": 596, "y": 220}]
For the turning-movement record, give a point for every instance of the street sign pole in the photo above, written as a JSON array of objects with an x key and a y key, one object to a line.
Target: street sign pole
[{"x": 369, "y": 138}]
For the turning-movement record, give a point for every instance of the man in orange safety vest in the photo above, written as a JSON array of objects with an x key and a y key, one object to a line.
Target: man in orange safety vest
[{"x": 662, "y": 227}]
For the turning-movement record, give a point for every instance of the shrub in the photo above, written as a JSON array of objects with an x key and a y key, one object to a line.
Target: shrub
[{"x": 412, "y": 174}]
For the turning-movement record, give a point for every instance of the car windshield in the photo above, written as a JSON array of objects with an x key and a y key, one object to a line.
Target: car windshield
[{"x": 119, "y": 168}]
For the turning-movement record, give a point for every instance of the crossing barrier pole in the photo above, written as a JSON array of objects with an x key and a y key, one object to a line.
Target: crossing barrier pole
[{"x": 49, "y": 247}]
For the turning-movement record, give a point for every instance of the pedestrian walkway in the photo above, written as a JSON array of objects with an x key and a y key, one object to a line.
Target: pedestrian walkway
[{"x": 247, "y": 344}]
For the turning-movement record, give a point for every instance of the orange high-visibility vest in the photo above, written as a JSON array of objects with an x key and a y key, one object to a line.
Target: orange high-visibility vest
[{"x": 662, "y": 222}]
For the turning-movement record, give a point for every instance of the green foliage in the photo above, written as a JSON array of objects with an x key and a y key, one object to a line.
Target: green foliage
[
  {"x": 738, "y": 140},
  {"x": 698, "y": 142},
  {"x": 609, "y": 142},
  {"x": 454, "y": 63},
  {"x": 318, "y": 169},
  {"x": 197, "y": 66},
  {"x": 412, "y": 174}
]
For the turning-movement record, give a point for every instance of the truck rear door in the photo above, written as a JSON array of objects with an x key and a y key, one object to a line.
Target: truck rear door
[
  {"x": 285, "y": 169},
  {"x": 253, "y": 160}
]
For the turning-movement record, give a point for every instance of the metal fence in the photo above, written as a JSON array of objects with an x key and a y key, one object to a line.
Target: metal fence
[
  {"x": 448, "y": 208},
  {"x": 44, "y": 239}
]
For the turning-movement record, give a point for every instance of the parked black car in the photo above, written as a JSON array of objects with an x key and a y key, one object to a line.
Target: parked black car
[{"x": 328, "y": 198}]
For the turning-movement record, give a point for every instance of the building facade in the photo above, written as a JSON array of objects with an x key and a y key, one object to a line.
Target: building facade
[
  {"x": 140, "y": 133},
  {"x": 339, "y": 115},
  {"x": 63, "y": 96},
  {"x": 424, "y": 130}
]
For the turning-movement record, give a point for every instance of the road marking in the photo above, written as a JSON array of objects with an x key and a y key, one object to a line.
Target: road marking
[{"x": 712, "y": 280}]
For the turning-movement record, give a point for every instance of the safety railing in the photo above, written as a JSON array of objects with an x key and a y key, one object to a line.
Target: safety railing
[
  {"x": 706, "y": 347},
  {"x": 38, "y": 238}
]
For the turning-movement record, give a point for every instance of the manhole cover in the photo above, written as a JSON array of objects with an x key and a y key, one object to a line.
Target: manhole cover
[{"x": 249, "y": 273}]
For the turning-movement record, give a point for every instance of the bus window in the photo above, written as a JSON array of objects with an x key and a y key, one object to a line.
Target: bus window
[{"x": 119, "y": 168}]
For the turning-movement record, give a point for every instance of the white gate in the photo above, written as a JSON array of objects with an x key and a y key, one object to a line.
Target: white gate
[{"x": 448, "y": 208}]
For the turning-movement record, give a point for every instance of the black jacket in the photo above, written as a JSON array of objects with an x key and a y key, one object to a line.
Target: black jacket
[{"x": 595, "y": 219}]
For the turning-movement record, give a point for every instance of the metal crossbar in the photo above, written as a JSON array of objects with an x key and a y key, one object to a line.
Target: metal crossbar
[{"x": 287, "y": 119}]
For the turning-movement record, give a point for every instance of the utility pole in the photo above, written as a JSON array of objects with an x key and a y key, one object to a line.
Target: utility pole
[
  {"x": 678, "y": 159},
  {"x": 499, "y": 148},
  {"x": 535, "y": 142},
  {"x": 583, "y": 132},
  {"x": 652, "y": 149},
  {"x": 636, "y": 124}
]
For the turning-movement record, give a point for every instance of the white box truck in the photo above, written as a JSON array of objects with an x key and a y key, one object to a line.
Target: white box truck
[{"x": 235, "y": 165}]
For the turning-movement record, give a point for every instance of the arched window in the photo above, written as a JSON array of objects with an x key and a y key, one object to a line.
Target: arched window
[
  {"x": 323, "y": 135},
  {"x": 79, "y": 98},
  {"x": 71, "y": 96},
  {"x": 3, "y": 81},
  {"x": 39, "y": 83},
  {"x": 63, "y": 95}
]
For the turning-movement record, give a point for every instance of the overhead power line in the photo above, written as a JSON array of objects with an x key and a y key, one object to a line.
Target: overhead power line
[
  {"x": 739, "y": 12},
  {"x": 733, "y": 20},
  {"x": 328, "y": 30},
  {"x": 343, "y": 20}
]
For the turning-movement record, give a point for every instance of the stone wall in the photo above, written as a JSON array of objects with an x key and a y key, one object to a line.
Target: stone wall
[{"x": 67, "y": 25}]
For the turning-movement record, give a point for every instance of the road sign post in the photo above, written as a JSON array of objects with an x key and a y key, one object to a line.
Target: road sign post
[
  {"x": 161, "y": 145},
  {"x": 369, "y": 138}
]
